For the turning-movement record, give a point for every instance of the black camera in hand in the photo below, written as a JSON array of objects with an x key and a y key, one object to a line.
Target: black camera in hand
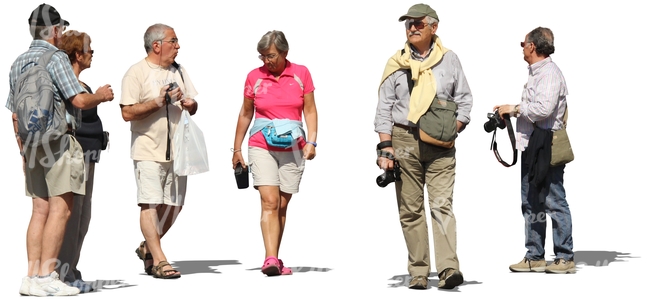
[
  {"x": 172, "y": 86},
  {"x": 390, "y": 175},
  {"x": 494, "y": 121},
  {"x": 241, "y": 176}
]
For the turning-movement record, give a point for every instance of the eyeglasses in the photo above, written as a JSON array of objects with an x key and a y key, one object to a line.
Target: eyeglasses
[
  {"x": 173, "y": 41},
  {"x": 91, "y": 52},
  {"x": 271, "y": 56},
  {"x": 419, "y": 24},
  {"x": 523, "y": 44}
]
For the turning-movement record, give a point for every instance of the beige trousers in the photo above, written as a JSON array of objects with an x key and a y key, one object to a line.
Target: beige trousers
[{"x": 424, "y": 164}]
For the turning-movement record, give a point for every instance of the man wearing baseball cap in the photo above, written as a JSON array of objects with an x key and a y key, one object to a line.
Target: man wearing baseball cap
[
  {"x": 424, "y": 102},
  {"x": 52, "y": 170}
]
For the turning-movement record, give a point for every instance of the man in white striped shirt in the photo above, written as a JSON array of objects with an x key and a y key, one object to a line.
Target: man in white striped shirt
[{"x": 543, "y": 103}]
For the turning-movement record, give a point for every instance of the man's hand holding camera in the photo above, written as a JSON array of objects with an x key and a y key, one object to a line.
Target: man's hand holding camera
[
  {"x": 386, "y": 161},
  {"x": 500, "y": 118},
  {"x": 507, "y": 109},
  {"x": 385, "y": 146},
  {"x": 169, "y": 94}
]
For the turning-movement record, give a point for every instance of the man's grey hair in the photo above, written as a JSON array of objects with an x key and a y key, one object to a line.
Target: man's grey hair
[
  {"x": 43, "y": 32},
  {"x": 431, "y": 20},
  {"x": 276, "y": 38},
  {"x": 542, "y": 38},
  {"x": 154, "y": 33}
]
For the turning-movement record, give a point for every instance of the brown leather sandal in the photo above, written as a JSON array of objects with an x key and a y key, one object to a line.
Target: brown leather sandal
[
  {"x": 145, "y": 258},
  {"x": 158, "y": 271}
]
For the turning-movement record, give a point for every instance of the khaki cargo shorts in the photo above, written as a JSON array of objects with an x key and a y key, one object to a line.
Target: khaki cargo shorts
[{"x": 55, "y": 168}]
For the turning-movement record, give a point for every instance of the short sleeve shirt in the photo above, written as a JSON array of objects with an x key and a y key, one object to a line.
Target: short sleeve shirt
[
  {"x": 141, "y": 83},
  {"x": 281, "y": 98},
  {"x": 66, "y": 84}
]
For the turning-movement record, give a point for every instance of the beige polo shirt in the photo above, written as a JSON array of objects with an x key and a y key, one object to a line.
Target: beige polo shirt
[{"x": 142, "y": 83}]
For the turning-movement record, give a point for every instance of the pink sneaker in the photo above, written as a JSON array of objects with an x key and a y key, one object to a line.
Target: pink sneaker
[
  {"x": 284, "y": 270},
  {"x": 271, "y": 266}
]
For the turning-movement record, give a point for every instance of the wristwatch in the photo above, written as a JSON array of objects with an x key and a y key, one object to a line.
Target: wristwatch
[
  {"x": 313, "y": 143},
  {"x": 516, "y": 110}
]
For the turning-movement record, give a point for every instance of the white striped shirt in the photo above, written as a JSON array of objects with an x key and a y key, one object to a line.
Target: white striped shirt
[{"x": 543, "y": 100}]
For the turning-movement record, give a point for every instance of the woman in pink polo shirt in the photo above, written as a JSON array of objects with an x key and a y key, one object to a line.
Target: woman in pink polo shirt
[{"x": 278, "y": 94}]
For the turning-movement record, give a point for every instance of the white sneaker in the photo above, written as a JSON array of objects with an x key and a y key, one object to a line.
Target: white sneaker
[
  {"x": 51, "y": 286},
  {"x": 24, "y": 287}
]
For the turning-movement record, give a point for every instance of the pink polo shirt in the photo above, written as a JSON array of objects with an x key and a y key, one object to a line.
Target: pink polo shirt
[{"x": 278, "y": 99}]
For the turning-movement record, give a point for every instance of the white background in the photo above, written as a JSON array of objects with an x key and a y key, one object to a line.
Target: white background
[{"x": 342, "y": 228}]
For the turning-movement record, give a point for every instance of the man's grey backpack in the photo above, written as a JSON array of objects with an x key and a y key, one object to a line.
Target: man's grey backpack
[{"x": 41, "y": 118}]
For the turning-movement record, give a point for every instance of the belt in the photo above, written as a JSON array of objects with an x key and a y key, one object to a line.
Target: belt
[{"x": 408, "y": 128}]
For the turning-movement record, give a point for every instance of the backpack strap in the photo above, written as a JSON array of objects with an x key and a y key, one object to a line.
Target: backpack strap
[
  {"x": 410, "y": 80},
  {"x": 44, "y": 59},
  {"x": 47, "y": 56},
  {"x": 410, "y": 77}
]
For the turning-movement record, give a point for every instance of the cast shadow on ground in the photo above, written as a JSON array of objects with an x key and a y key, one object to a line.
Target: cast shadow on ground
[
  {"x": 600, "y": 258},
  {"x": 187, "y": 267},
  {"x": 404, "y": 279},
  {"x": 101, "y": 284},
  {"x": 584, "y": 258},
  {"x": 300, "y": 269}
]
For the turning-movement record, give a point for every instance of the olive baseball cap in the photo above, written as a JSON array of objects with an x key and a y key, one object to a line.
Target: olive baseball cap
[{"x": 419, "y": 11}]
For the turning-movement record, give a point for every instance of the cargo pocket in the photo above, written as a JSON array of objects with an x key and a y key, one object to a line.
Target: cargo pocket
[{"x": 77, "y": 166}]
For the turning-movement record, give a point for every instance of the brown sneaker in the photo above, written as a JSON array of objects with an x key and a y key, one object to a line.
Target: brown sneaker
[
  {"x": 450, "y": 279},
  {"x": 419, "y": 283},
  {"x": 527, "y": 265},
  {"x": 561, "y": 266}
]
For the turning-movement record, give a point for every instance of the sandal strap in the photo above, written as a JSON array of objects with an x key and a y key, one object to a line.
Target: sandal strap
[
  {"x": 159, "y": 269},
  {"x": 162, "y": 264}
]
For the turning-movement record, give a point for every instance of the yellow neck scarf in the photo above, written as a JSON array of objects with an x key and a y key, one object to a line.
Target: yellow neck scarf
[{"x": 424, "y": 88}]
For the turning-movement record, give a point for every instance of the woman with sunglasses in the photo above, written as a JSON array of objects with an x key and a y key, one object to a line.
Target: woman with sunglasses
[{"x": 91, "y": 137}]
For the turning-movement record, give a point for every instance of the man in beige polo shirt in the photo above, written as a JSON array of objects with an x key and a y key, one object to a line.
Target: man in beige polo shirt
[{"x": 154, "y": 92}]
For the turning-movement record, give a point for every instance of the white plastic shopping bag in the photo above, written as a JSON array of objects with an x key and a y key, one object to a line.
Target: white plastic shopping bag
[{"x": 190, "y": 153}]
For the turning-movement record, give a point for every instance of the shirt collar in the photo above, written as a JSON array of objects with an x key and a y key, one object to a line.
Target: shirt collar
[
  {"x": 288, "y": 70},
  {"x": 534, "y": 68},
  {"x": 42, "y": 44},
  {"x": 416, "y": 55}
]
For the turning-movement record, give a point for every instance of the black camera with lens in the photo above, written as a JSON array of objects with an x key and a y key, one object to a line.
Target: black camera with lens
[
  {"x": 390, "y": 175},
  {"x": 172, "y": 86},
  {"x": 494, "y": 121}
]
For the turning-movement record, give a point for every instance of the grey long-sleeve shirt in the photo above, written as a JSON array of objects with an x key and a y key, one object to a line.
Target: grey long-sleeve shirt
[{"x": 394, "y": 96}]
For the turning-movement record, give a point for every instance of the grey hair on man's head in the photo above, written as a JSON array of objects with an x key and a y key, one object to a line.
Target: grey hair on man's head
[
  {"x": 276, "y": 38},
  {"x": 155, "y": 32},
  {"x": 542, "y": 38},
  {"x": 431, "y": 20},
  {"x": 42, "y": 32}
]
